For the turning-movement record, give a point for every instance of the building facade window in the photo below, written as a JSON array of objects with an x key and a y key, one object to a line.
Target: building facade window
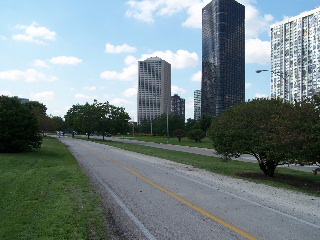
[
  {"x": 154, "y": 88},
  {"x": 295, "y": 57},
  {"x": 223, "y": 56}
]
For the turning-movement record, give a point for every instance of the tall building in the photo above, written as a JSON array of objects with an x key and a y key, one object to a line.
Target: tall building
[
  {"x": 295, "y": 56},
  {"x": 178, "y": 105},
  {"x": 154, "y": 88},
  {"x": 22, "y": 100},
  {"x": 197, "y": 104},
  {"x": 223, "y": 56}
]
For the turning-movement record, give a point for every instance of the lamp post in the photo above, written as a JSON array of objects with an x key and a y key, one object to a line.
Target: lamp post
[
  {"x": 259, "y": 71},
  {"x": 280, "y": 74},
  {"x": 282, "y": 77}
]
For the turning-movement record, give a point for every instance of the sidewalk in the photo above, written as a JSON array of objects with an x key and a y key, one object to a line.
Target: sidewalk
[{"x": 203, "y": 151}]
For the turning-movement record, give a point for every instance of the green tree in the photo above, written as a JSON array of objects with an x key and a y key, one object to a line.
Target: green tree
[
  {"x": 176, "y": 121},
  {"x": 36, "y": 107},
  {"x": 192, "y": 124},
  {"x": 196, "y": 135},
  {"x": 57, "y": 123},
  {"x": 120, "y": 119},
  {"x": 19, "y": 128},
  {"x": 251, "y": 128},
  {"x": 205, "y": 122},
  {"x": 299, "y": 132},
  {"x": 45, "y": 123},
  {"x": 179, "y": 133},
  {"x": 97, "y": 117},
  {"x": 144, "y": 126},
  {"x": 172, "y": 122}
]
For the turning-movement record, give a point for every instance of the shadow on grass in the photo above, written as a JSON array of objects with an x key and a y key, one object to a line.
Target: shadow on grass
[{"x": 294, "y": 182}]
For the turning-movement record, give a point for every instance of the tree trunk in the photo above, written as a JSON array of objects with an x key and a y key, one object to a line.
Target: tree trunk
[{"x": 268, "y": 167}]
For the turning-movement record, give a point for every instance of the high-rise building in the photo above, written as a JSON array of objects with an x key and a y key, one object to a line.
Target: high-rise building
[
  {"x": 22, "y": 100},
  {"x": 178, "y": 105},
  {"x": 197, "y": 104},
  {"x": 223, "y": 56},
  {"x": 154, "y": 88},
  {"x": 295, "y": 56}
]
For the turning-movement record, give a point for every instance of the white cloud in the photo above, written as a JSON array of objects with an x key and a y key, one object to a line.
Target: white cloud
[
  {"x": 40, "y": 63},
  {"x": 120, "y": 102},
  {"x": 177, "y": 90},
  {"x": 30, "y": 75},
  {"x": 261, "y": 95},
  {"x": 179, "y": 60},
  {"x": 130, "y": 92},
  {"x": 194, "y": 11},
  {"x": 82, "y": 96},
  {"x": 63, "y": 60},
  {"x": 248, "y": 85},
  {"x": 48, "y": 95},
  {"x": 130, "y": 60},
  {"x": 258, "y": 51},
  {"x": 90, "y": 88},
  {"x": 119, "y": 49},
  {"x": 5, "y": 93},
  {"x": 255, "y": 23},
  {"x": 35, "y": 34},
  {"x": 196, "y": 77},
  {"x": 3, "y": 38},
  {"x": 147, "y": 10},
  {"x": 142, "y": 10},
  {"x": 128, "y": 74}
]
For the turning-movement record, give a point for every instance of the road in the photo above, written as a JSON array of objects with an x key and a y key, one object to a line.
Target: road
[{"x": 151, "y": 198}]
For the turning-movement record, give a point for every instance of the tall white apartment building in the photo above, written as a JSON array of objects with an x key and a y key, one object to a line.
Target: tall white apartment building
[
  {"x": 295, "y": 56},
  {"x": 197, "y": 104},
  {"x": 154, "y": 88}
]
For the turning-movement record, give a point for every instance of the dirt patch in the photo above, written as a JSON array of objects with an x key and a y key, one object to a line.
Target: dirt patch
[{"x": 293, "y": 182}]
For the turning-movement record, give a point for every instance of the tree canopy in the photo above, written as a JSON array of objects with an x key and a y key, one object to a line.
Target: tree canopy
[
  {"x": 273, "y": 131},
  {"x": 97, "y": 117},
  {"x": 196, "y": 135},
  {"x": 19, "y": 127}
]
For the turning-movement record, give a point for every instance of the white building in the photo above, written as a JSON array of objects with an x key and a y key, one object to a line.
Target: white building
[
  {"x": 197, "y": 104},
  {"x": 295, "y": 56},
  {"x": 154, "y": 88}
]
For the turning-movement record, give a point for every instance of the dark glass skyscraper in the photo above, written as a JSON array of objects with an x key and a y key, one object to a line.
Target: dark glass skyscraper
[{"x": 223, "y": 56}]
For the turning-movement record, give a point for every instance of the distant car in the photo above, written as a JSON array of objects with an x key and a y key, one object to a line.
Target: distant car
[
  {"x": 90, "y": 134},
  {"x": 107, "y": 134}
]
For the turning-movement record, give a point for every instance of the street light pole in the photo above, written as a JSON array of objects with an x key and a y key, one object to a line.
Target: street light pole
[
  {"x": 280, "y": 74},
  {"x": 282, "y": 77}
]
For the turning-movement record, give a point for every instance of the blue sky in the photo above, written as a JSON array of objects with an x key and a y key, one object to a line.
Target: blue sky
[{"x": 65, "y": 52}]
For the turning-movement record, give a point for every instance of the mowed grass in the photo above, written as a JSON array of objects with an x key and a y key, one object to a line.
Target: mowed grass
[
  {"x": 45, "y": 195},
  {"x": 286, "y": 178},
  {"x": 205, "y": 142}
]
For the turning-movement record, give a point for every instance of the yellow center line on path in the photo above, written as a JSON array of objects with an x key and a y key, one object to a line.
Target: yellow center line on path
[{"x": 204, "y": 212}]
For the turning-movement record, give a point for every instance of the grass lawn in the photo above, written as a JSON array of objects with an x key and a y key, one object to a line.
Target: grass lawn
[
  {"x": 284, "y": 178},
  {"x": 45, "y": 195},
  {"x": 205, "y": 143}
]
